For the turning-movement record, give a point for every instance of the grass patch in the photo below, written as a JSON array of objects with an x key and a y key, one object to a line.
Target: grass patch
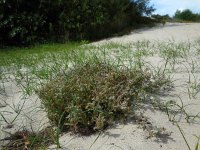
[{"x": 31, "y": 55}]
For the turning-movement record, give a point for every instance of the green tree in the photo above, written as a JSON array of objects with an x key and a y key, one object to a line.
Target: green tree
[
  {"x": 187, "y": 15},
  {"x": 25, "y": 22}
]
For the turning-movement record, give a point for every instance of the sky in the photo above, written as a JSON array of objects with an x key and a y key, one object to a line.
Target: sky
[{"x": 170, "y": 6}]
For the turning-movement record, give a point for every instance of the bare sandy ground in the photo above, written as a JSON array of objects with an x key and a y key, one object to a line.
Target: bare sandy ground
[
  {"x": 127, "y": 136},
  {"x": 170, "y": 32}
]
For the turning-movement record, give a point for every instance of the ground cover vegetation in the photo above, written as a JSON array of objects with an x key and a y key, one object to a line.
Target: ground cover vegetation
[
  {"x": 83, "y": 87},
  {"x": 88, "y": 88},
  {"x": 24, "y": 22}
]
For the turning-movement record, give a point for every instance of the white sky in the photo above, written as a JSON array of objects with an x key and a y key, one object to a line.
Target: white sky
[{"x": 170, "y": 6}]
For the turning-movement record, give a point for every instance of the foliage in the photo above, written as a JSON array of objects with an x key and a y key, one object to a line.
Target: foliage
[
  {"x": 23, "y": 22},
  {"x": 46, "y": 61},
  {"x": 94, "y": 94},
  {"x": 187, "y": 15},
  {"x": 161, "y": 17}
]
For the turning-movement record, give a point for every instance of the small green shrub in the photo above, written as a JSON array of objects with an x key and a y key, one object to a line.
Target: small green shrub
[{"x": 93, "y": 95}]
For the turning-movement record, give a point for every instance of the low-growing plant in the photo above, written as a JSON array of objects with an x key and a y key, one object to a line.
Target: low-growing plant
[
  {"x": 29, "y": 140},
  {"x": 92, "y": 95}
]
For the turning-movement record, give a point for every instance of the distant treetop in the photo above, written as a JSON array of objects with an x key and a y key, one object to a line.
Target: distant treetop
[{"x": 187, "y": 15}]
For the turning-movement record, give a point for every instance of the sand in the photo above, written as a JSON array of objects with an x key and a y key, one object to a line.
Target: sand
[
  {"x": 128, "y": 136},
  {"x": 170, "y": 32}
]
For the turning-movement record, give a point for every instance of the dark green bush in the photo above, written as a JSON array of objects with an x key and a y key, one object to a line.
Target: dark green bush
[
  {"x": 20, "y": 21},
  {"x": 187, "y": 15},
  {"x": 93, "y": 95},
  {"x": 160, "y": 18},
  {"x": 24, "y": 22}
]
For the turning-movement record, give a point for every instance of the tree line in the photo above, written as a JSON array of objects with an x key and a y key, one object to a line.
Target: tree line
[
  {"x": 187, "y": 15},
  {"x": 24, "y": 22}
]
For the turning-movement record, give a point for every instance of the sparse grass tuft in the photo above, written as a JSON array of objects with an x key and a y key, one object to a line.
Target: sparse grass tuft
[{"x": 30, "y": 140}]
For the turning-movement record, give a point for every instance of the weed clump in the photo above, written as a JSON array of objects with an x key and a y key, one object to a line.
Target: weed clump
[{"x": 92, "y": 96}]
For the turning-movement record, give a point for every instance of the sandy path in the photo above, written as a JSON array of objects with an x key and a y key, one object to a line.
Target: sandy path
[
  {"x": 171, "y": 31},
  {"x": 128, "y": 136}
]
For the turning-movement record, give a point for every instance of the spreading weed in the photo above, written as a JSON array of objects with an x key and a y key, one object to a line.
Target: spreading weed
[{"x": 93, "y": 95}]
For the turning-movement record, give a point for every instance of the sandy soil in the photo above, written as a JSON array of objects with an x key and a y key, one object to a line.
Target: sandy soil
[
  {"x": 127, "y": 136},
  {"x": 170, "y": 32}
]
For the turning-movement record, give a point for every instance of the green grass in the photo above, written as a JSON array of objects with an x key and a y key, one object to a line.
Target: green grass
[{"x": 31, "y": 54}]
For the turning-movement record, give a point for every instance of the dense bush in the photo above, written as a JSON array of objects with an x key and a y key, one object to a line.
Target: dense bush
[
  {"x": 187, "y": 15},
  {"x": 93, "y": 95},
  {"x": 159, "y": 18},
  {"x": 24, "y": 21}
]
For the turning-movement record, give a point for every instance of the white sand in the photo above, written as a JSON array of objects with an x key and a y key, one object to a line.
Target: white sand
[
  {"x": 128, "y": 136},
  {"x": 20, "y": 112},
  {"x": 170, "y": 32}
]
